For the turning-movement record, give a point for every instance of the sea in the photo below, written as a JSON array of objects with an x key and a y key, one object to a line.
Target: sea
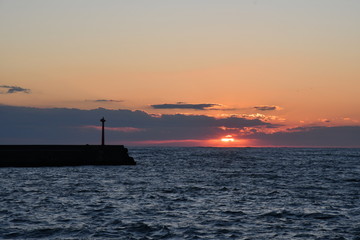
[{"x": 189, "y": 193}]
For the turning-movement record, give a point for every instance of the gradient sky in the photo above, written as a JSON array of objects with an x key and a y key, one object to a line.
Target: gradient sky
[{"x": 292, "y": 64}]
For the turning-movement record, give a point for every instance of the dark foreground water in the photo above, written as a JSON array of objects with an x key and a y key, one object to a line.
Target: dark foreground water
[{"x": 189, "y": 193}]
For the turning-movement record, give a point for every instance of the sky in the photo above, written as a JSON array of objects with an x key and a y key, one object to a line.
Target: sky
[{"x": 180, "y": 73}]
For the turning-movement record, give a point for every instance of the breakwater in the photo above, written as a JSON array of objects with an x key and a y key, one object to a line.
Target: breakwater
[{"x": 63, "y": 155}]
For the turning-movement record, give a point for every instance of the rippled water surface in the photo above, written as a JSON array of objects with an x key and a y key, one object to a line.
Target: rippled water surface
[{"x": 189, "y": 193}]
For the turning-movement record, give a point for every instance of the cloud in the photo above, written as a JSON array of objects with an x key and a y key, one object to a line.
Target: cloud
[
  {"x": 350, "y": 119},
  {"x": 105, "y": 100},
  {"x": 25, "y": 125},
  {"x": 318, "y": 136},
  {"x": 263, "y": 117},
  {"x": 324, "y": 120},
  {"x": 182, "y": 105},
  {"x": 14, "y": 89},
  {"x": 117, "y": 129},
  {"x": 267, "y": 108}
]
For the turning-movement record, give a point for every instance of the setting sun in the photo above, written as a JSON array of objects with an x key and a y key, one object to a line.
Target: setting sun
[{"x": 228, "y": 138}]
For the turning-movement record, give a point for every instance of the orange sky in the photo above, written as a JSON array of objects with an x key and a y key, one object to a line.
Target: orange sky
[{"x": 301, "y": 56}]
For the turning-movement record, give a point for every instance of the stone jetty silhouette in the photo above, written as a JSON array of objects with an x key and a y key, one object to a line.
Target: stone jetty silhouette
[{"x": 65, "y": 155}]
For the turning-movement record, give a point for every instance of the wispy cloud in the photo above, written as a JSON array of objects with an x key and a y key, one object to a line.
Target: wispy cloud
[
  {"x": 105, "y": 100},
  {"x": 263, "y": 117},
  {"x": 267, "y": 108},
  {"x": 117, "y": 129},
  {"x": 351, "y": 120},
  {"x": 182, "y": 105},
  {"x": 324, "y": 120},
  {"x": 13, "y": 89}
]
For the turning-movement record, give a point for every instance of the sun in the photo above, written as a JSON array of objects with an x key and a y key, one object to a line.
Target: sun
[
  {"x": 228, "y": 141},
  {"x": 228, "y": 138}
]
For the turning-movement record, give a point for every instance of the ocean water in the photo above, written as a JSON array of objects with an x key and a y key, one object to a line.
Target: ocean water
[{"x": 189, "y": 193}]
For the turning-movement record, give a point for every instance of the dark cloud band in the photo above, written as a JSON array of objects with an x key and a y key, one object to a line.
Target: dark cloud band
[
  {"x": 25, "y": 125},
  {"x": 62, "y": 125}
]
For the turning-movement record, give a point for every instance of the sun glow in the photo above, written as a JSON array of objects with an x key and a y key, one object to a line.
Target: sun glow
[
  {"x": 229, "y": 141},
  {"x": 228, "y": 138}
]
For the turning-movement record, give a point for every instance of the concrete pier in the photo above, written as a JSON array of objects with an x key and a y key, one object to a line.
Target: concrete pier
[{"x": 63, "y": 155}]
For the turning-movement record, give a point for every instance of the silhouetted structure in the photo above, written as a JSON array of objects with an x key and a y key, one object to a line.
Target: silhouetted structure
[
  {"x": 64, "y": 155},
  {"x": 103, "y": 131}
]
